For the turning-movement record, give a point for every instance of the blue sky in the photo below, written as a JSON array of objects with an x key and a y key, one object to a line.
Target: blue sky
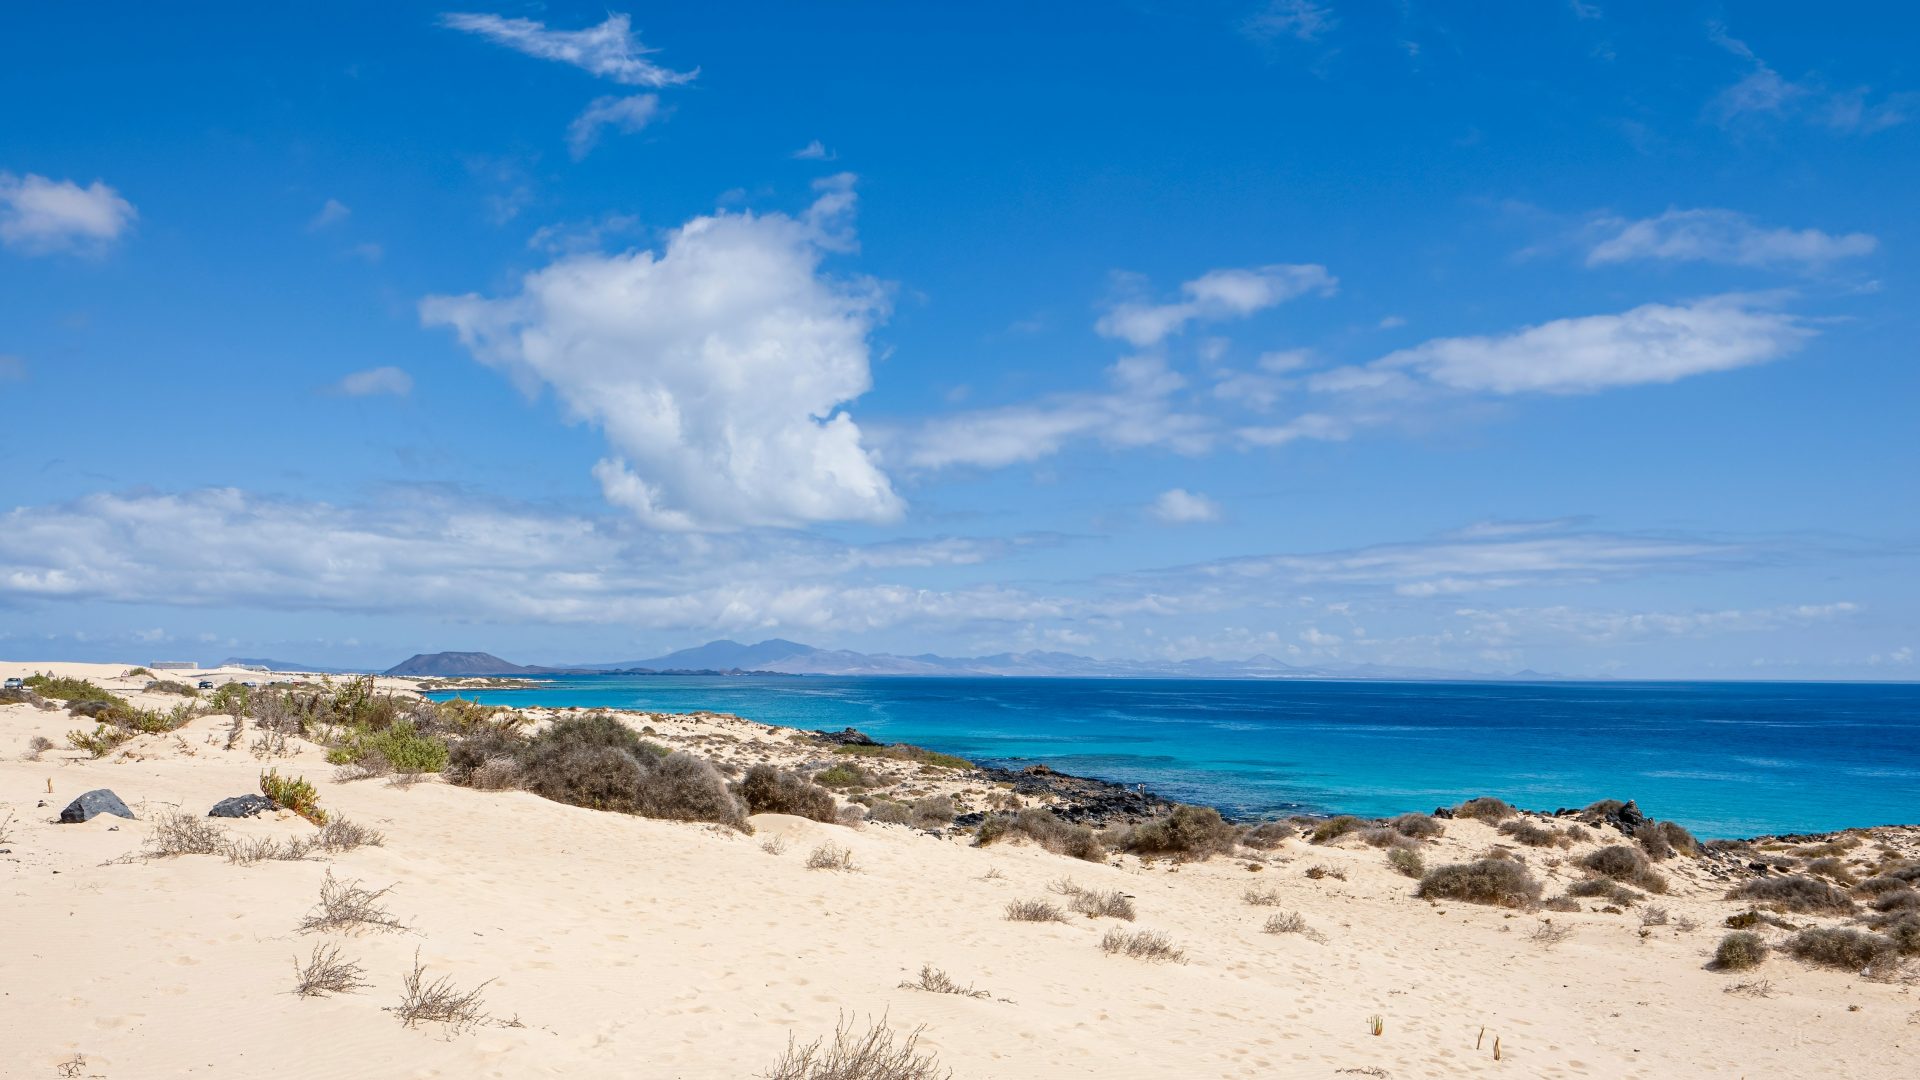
[{"x": 1573, "y": 336}]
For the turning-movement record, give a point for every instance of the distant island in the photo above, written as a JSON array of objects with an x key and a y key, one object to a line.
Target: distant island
[{"x": 778, "y": 656}]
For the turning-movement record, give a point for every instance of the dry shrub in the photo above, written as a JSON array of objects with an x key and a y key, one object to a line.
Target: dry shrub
[
  {"x": 1653, "y": 916},
  {"x": 253, "y": 849},
  {"x": 890, "y": 812},
  {"x": 467, "y": 757},
  {"x": 774, "y": 846},
  {"x": 1902, "y": 929},
  {"x": 935, "y": 981},
  {"x": 830, "y": 857},
  {"x": 1849, "y": 950},
  {"x": 1499, "y": 882},
  {"x": 592, "y": 760},
  {"x": 1267, "y": 835},
  {"x": 856, "y": 1056},
  {"x": 327, "y": 972},
  {"x": 1547, "y": 934},
  {"x": 933, "y": 812},
  {"x": 1664, "y": 839},
  {"x": 497, "y": 774},
  {"x": 1833, "y": 869},
  {"x": 1625, "y": 864},
  {"x": 767, "y": 790},
  {"x": 1878, "y": 886},
  {"x": 1561, "y": 903},
  {"x": 341, "y": 835},
  {"x": 1485, "y": 808},
  {"x": 1141, "y": 945},
  {"x": 1262, "y": 896},
  {"x": 438, "y": 1001},
  {"x": 1319, "y": 872},
  {"x": 853, "y": 816},
  {"x": 1417, "y": 826},
  {"x": 1526, "y": 832},
  {"x": 1034, "y": 911},
  {"x": 1097, "y": 904},
  {"x": 183, "y": 834},
  {"x": 38, "y": 745},
  {"x": 1793, "y": 892},
  {"x": 685, "y": 788},
  {"x": 348, "y": 907},
  {"x": 1606, "y": 888},
  {"x": 1382, "y": 836},
  {"x": 1045, "y": 829},
  {"x": 1186, "y": 833},
  {"x": 1291, "y": 922},
  {"x": 1407, "y": 861},
  {"x": 1334, "y": 828},
  {"x": 1739, "y": 951}
]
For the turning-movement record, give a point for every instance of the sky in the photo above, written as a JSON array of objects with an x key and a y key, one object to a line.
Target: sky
[{"x": 1565, "y": 335}]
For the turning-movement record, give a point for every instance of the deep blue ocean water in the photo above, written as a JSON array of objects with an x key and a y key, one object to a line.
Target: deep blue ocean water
[{"x": 1724, "y": 759}]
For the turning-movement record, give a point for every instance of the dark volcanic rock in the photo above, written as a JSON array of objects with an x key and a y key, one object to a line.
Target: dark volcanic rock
[
  {"x": 848, "y": 737},
  {"x": 92, "y": 804},
  {"x": 241, "y": 806},
  {"x": 1082, "y": 801}
]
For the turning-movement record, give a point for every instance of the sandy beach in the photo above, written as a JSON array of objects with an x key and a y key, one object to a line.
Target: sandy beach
[{"x": 610, "y": 944}]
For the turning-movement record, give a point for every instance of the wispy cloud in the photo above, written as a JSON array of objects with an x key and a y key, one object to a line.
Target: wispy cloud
[
  {"x": 1213, "y": 296},
  {"x": 1763, "y": 92},
  {"x": 624, "y": 114},
  {"x": 1719, "y": 236},
  {"x": 1303, "y": 20},
  {"x": 1178, "y": 506},
  {"x": 813, "y": 151},
  {"x": 39, "y": 216},
  {"x": 610, "y": 50},
  {"x": 332, "y": 213},
  {"x": 374, "y": 382}
]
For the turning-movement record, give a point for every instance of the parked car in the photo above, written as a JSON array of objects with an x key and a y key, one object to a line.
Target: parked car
[
  {"x": 14, "y": 684},
  {"x": 206, "y": 684},
  {"x": 250, "y": 684}
]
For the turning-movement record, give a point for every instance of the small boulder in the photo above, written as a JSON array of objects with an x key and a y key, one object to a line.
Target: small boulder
[
  {"x": 241, "y": 806},
  {"x": 847, "y": 737},
  {"x": 92, "y": 804}
]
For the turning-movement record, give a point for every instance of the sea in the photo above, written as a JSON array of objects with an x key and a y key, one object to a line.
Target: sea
[{"x": 1724, "y": 759}]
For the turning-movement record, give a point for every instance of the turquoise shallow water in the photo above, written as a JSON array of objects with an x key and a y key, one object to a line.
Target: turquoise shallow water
[{"x": 1725, "y": 759}]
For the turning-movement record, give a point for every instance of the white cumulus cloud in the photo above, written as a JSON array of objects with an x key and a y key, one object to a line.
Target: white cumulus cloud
[
  {"x": 1215, "y": 295},
  {"x": 718, "y": 368},
  {"x": 1720, "y": 236},
  {"x": 625, "y": 114},
  {"x": 1178, "y": 506},
  {"x": 611, "y": 50},
  {"x": 39, "y": 216}
]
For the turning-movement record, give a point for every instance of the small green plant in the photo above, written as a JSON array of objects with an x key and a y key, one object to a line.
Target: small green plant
[
  {"x": 842, "y": 776},
  {"x": 401, "y": 745},
  {"x": 1377, "y": 1024},
  {"x": 294, "y": 794},
  {"x": 69, "y": 690},
  {"x": 100, "y": 742}
]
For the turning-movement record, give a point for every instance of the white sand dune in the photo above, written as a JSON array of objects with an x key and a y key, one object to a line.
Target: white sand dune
[{"x": 631, "y": 947}]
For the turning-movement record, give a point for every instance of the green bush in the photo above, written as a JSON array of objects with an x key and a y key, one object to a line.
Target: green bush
[
  {"x": 844, "y": 776},
  {"x": 1334, "y": 828},
  {"x": 1407, "y": 861},
  {"x": 1045, "y": 829},
  {"x": 1625, "y": 864},
  {"x": 68, "y": 690},
  {"x": 401, "y": 744},
  {"x": 101, "y": 741},
  {"x": 908, "y": 752},
  {"x": 466, "y": 756},
  {"x": 293, "y": 794},
  {"x": 1418, "y": 826},
  {"x": 1485, "y": 808}
]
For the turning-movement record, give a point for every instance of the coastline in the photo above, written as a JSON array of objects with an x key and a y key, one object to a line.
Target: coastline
[{"x": 598, "y": 938}]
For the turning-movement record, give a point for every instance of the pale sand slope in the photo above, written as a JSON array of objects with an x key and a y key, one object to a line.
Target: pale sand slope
[{"x": 631, "y": 947}]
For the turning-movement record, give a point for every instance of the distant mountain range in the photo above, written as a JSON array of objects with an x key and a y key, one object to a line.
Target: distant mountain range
[
  {"x": 781, "y": 657},
  {"x": 281, "y": 665}
]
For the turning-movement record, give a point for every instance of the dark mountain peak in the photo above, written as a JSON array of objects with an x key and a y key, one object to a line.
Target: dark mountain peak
[{"x": 456, "y": 663}]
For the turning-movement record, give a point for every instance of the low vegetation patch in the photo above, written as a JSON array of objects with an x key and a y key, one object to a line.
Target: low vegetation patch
[
  {"x": 1418, "y": 826},
  {"x": 876, "y": 1054},
  {"x": 1187, "y": 833},
  {"x": 1526, "y": 832},
  {"x": 1665, "y": 839},
  {"x": 1793, "y": 892},
  {"x": 438, "y": 1001},
  {"x": 1291, "y": 922},
  {"x": 1407, "y": 862},
  {"x": 341, "y": 835},
  {"x": 327, "y": 972},
  {"x": 293, "y": 793},
  {"x": 1034, "y": 911},
  {"x": 1485, "y": 808},
  {"x": 767, "y": 790},
  {"x": 1148, "y": 945},
  {"x": 183, "y": 834},
  {"x": 1319, "y": 872},
  {"x": 245, "y": 851},
  {"x": 349, "y": 907},
  {"x": 830, "y": 857},
  {"x": 934, "y": 981},
  {"x": 1262, "y": 896},
  {"x": 1625, "y": 864},
  {"x": 1043, "y": 828},
  {"x": 1848, "y": 950},
  {"x": 1605, "y": 888},
  {"x": 1739, "y": 951},
  {"x": 1267, "y": 835},
  {"x": 1096, "y": 903},
  {"x": 1500, "y": 882},
  {"x": 1334, "y": 828},
  {"x": 68, "y": 690}
]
